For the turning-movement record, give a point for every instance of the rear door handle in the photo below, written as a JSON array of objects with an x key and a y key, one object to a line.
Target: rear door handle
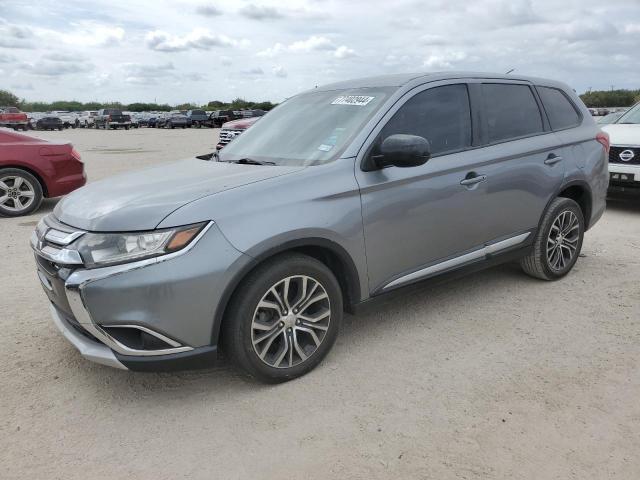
[
  {"x": 473, "y": 180},
  {"x": 552, "y": 159}
]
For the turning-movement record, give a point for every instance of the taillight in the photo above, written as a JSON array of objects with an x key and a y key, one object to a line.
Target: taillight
[
  {"x": 76, "y": 155},
  {"x": 603, "y": 138}
]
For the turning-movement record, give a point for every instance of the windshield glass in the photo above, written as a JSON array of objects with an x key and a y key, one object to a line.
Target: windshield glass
[
  {"x": 631, "y": 116},
  {"x": 308, "y": 129}
]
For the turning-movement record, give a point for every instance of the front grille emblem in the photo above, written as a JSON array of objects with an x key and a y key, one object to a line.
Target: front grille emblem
[{"x": 626, "y": 155}]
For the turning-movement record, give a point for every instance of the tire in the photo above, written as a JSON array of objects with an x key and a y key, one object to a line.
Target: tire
[
  {"x": 28, "y": 183},
  {"x": 60, "y": 129},
  {"x": 282, "y": 362},
  {"x": 126, "y": 128},
  {"x": 558, "y": 241}
]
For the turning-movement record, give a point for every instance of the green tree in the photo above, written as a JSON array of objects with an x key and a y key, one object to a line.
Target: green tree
[{"x": 8, "y": 99}]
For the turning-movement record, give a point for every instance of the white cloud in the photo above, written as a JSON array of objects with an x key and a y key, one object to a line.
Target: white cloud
[
  {"x": 312, "y": 43},
  {"x": 258, "y": 12},
  {"x": 208, "y": 10},
  {"x": 344, "y": 52},
  {"x": 279, "y": 71},
  {"x": 199, "y": 38},
  {"x": 226, "y": 61}
]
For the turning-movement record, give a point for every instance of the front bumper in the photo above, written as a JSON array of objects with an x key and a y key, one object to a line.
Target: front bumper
[{"x": 172, "y": 300}]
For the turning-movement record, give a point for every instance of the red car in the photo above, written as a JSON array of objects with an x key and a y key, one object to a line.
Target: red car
[
  {"x": 231, "y": 130},
  {"x": 31, "y": 169}
]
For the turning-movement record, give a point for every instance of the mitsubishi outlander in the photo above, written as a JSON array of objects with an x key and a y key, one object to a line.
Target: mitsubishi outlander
[{"x": 337, "y": 196}]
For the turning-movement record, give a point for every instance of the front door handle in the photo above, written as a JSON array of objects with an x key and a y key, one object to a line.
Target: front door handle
[
  {"x": 473, "y": 180},
  {"x": 552, "y": 159}
]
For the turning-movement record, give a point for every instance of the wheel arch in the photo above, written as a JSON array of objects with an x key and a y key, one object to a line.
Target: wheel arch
[
  {"x": 38, "y": 176},
  {"x": 580, "y": 192},
  {"x": 331, "y": 254}
]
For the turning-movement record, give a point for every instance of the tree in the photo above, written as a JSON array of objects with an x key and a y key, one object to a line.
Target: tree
[
  {"x": 610, "y": 98},
  {"x": 8, "y": 99}
]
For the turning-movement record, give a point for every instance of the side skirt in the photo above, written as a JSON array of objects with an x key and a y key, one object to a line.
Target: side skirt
[{"x": 492, "y": 260}]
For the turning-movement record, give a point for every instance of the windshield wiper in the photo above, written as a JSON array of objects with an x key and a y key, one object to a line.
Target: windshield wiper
[
  {"x": 249, "y": 161},
  {"x": 627, "y": 123}
]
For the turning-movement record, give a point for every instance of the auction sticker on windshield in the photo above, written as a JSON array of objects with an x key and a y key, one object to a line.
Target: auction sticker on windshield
[{"x": 358, "y": 100}]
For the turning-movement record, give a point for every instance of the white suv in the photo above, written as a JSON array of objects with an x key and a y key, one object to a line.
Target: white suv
[{"x": 624, "y": 155}]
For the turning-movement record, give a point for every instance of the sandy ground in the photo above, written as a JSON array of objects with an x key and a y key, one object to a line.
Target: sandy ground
[{"x": 496, "y": 375}]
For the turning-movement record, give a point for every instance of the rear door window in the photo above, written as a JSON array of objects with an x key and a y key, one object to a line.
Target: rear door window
[
  {"x": 511, "y": 111},
  {"x": 560, "y": 110}
]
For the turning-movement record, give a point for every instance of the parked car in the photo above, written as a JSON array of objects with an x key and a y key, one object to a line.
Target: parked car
[
  {"x": 624, "y": 156},
  {"x": 610, "y": 118},
  {"x": 260, "y": 251},
  {"x": 69, "y": 120},
  {"x": 87, "y": 119},
  {"x": 174, "y": 120},
  {"x": 198, "y": 118},
  {"x": 112, "y": 118},
  {"x": 49, "y": 123},
  {"x": 135, "y": 119},
  {"x": 32, "y": 168},
  {"x": 12, "y": 117},
  {"x": 220, "y": 117},
  {"x": 152, "y": 121},
  {"x": 231, "y": 130}
]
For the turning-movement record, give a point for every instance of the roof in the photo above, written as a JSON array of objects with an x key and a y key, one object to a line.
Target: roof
[{"x": 401, "y": 79}]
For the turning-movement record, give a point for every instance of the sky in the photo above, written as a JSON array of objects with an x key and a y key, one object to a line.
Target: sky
[{"x": 196, "y": 51}]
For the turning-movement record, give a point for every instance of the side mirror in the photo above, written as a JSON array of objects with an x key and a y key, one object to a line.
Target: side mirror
[{"x": 403, "y": 151}]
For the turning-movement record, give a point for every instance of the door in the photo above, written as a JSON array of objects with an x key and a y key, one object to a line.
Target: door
[
  {"x": 491, "y": 173},
  {"x": 415, "y": 216}
]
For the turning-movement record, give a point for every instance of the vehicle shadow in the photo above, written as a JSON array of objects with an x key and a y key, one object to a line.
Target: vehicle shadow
[
  {"x": 410, "y": 308},
  {"x": 624, "y": 202}
]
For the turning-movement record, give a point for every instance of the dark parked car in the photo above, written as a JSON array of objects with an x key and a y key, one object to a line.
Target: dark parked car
[
  {"x": 49, "y": 123},
  {"x": 259, "y": 249},
  {"x": 219, "y": 117},
  {"x": 112, "y": 118},
  {"x": 32, "y": 168},
  {"x": 174, "y": 120},
  {"x": 198, "y": 118}
]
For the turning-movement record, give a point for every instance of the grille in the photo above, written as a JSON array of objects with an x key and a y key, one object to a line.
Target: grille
[
  {"x": 614, "y": 155},
  {"x": 226, "y": 135}
]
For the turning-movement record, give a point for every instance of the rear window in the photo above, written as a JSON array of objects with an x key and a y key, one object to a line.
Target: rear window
[
  {"x": 198, "y": 112},
  {"x": 561, "y": 112},
  {"x": 511, "y": 111}
]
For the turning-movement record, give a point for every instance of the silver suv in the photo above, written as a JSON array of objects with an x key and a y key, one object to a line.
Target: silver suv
[{"x": 336, "y": 197}]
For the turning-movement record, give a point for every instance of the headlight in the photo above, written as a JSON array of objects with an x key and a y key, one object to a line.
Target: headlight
[{"x": 100, "y": 249}]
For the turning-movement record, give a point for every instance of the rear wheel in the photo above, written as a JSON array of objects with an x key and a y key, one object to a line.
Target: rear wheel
[
  {"x": 558, "y": 242},
  {"x": 20, "y": 192},
  {"x": 283, "y": 318}
]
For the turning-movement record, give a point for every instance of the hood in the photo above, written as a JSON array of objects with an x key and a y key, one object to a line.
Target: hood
[
  {"x": 241, "y": 124},
  {"x": 623, "y": 134},
  {"x": 141, "y": 200}
]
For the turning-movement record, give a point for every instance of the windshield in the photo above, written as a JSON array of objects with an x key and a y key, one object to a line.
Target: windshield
[
  {"x": 308, "y": 129},
  {"x": 631, "y": 116}
]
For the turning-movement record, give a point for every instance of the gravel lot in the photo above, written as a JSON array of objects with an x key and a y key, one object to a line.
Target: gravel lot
[{"x": 496, "y": 375}]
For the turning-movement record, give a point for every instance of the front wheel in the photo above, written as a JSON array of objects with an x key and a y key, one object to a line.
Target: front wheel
[
  {"x": 558, "y": 241},
  {"x": 20, "y": 192},
  {"x": 283, "y": 318}
]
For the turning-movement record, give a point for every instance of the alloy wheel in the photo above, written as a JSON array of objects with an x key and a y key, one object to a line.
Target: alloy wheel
[
  {"x": 16, "y": 193},
  {"x": 562, "y": 241},
  {"x": 290, "y": 321}
]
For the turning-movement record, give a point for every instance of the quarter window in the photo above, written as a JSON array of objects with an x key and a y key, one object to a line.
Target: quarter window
[
  {"x": 559, "y": 109},
  {"x": 511, "y": 111},
  {"x": 441, "y": 115}
]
